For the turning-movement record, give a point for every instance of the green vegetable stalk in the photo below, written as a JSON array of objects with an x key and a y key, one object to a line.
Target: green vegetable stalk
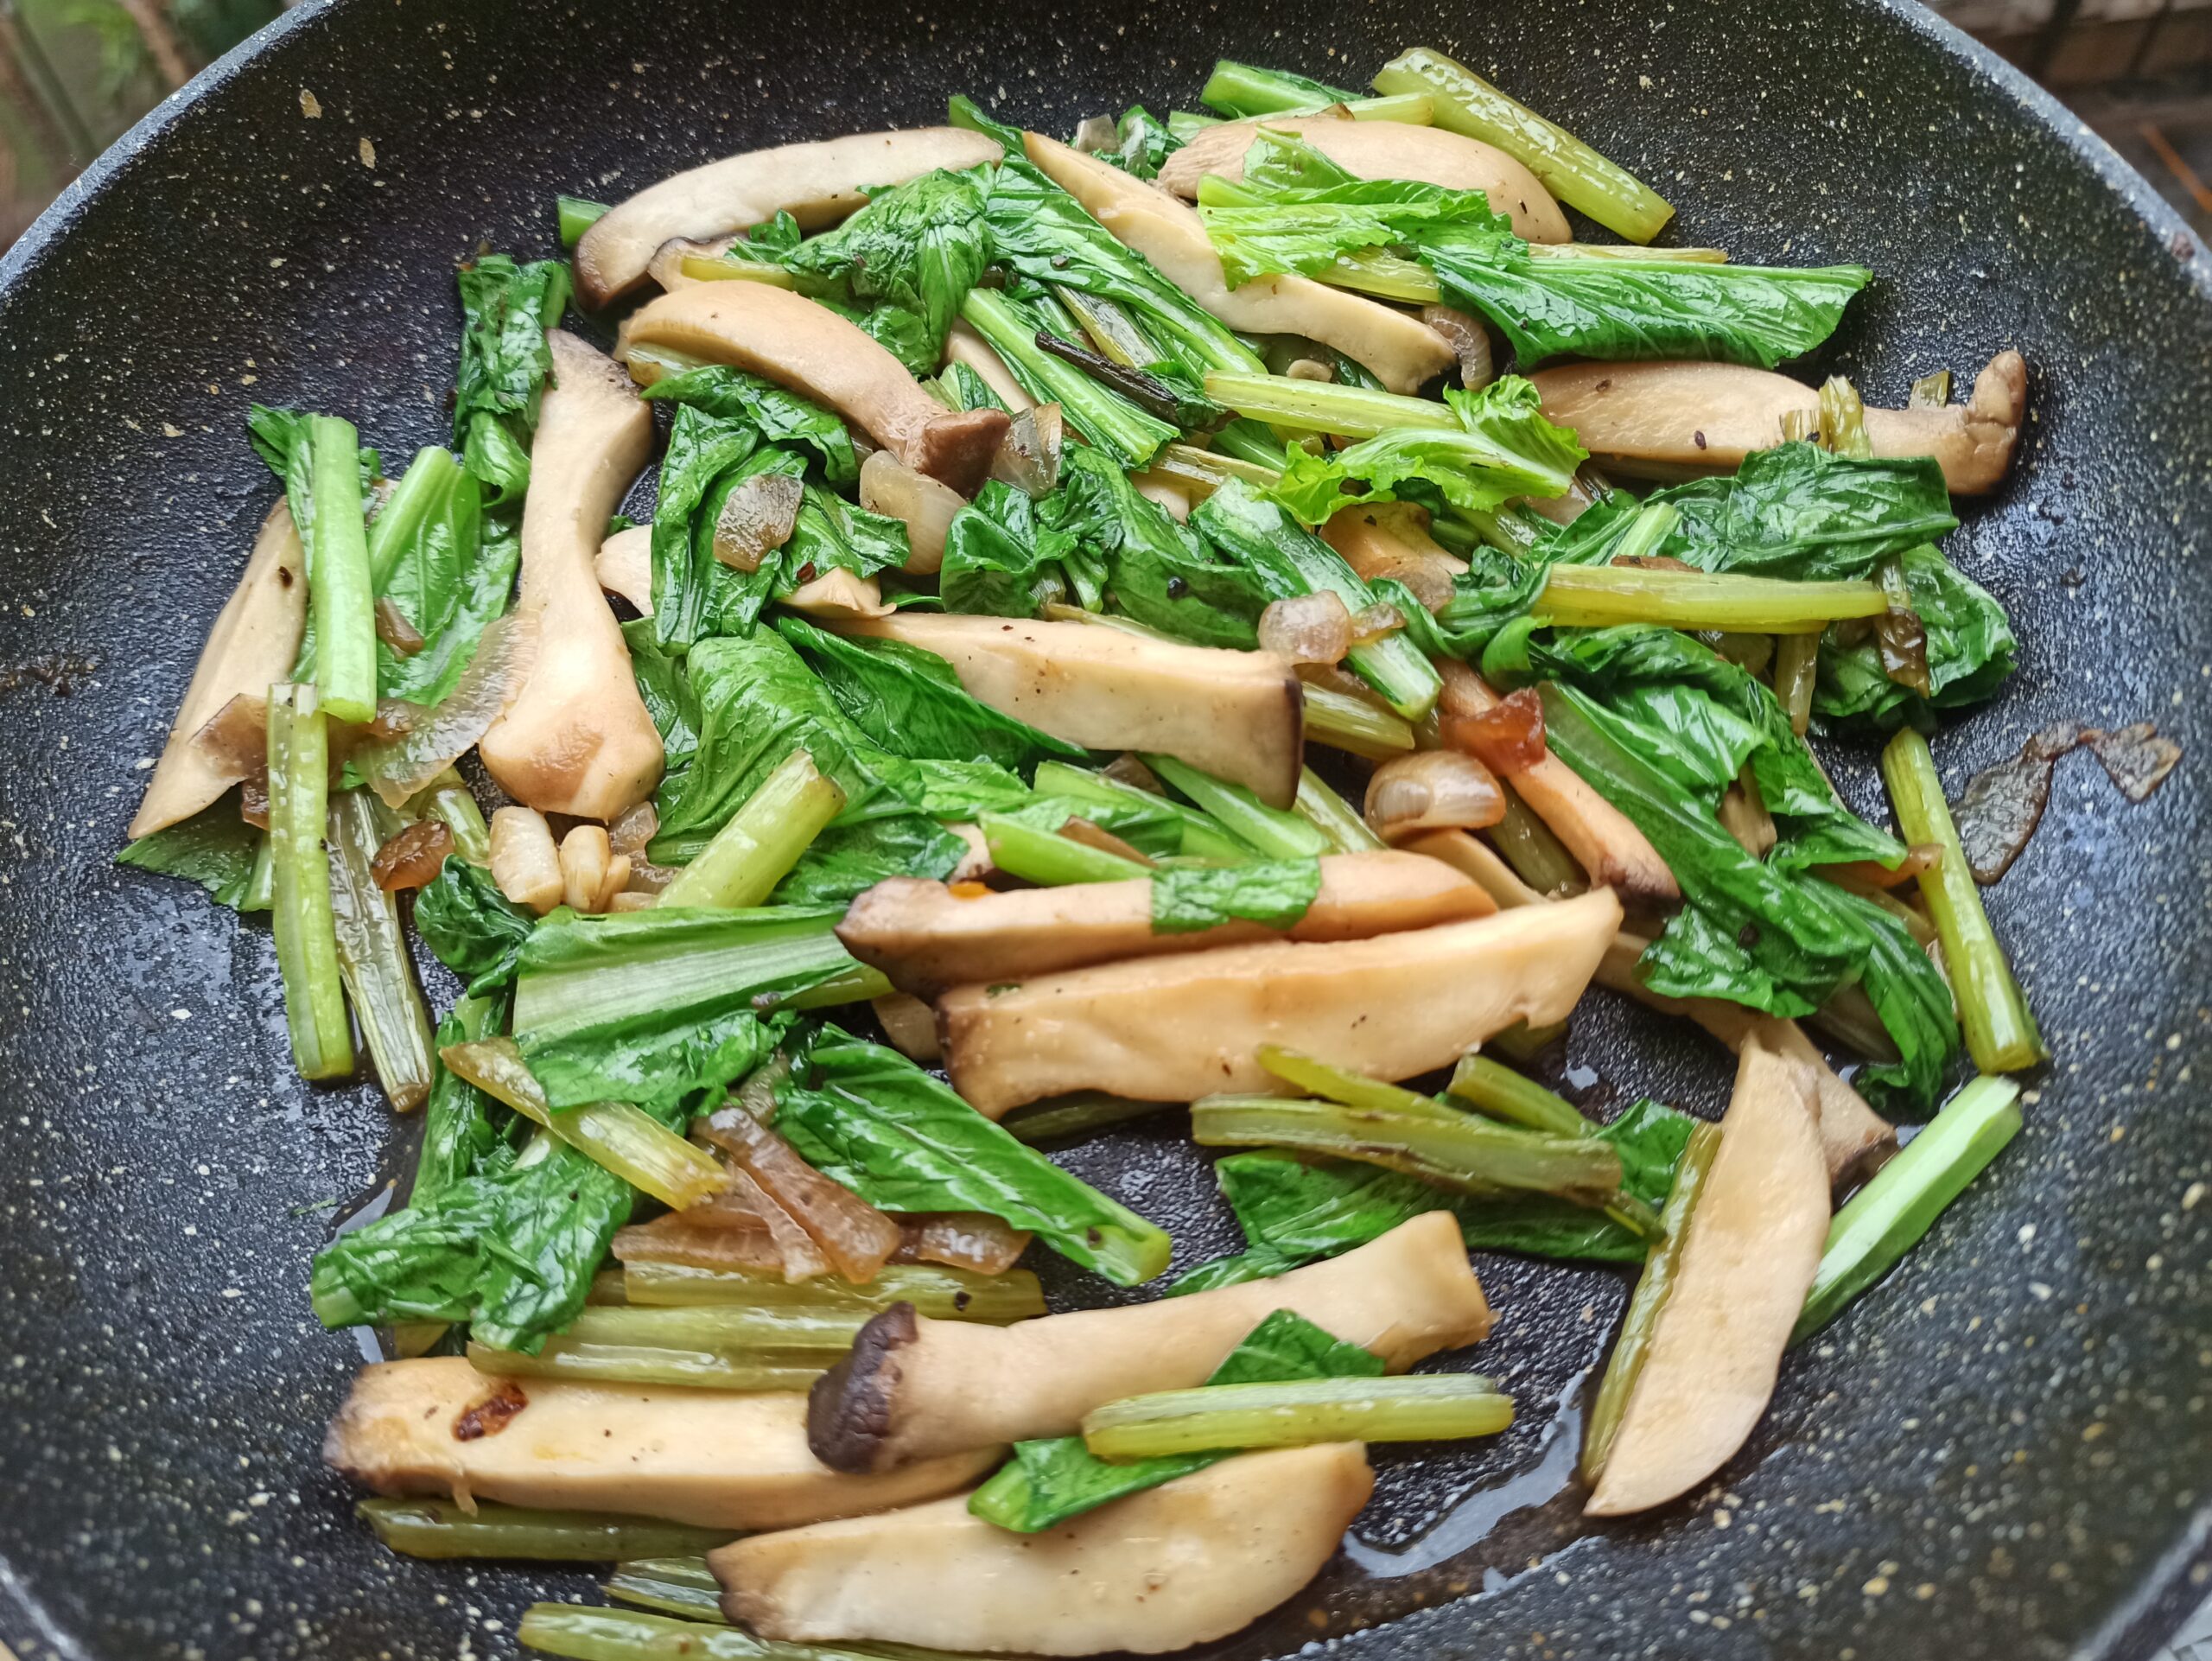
[
  {"x": 1597, "y": 596},
  {"x": 1884, "y": 1220},
  {"x": 1199, "y": 836},
  {"x": 1101, "y": 415},
  {"x": 1466, "y": 103},
  {"x": 1062, "y": 1117},
  {"x": 1320, "y": 406},
  {"x": 1459, "y": 1152},
  {"x": 583, "y": 1361},
  {"x": 1439, "y": 1408},
  {"x": 1049, "y": 860},
  {"x": 448, "y": 800},
  {"x": 2000, "y": 1029},
  {"x": 341, "y": 598},
  {"x": 1351, "y": 724},
  {"x": 763, "y": 839},
  {"x": 1796, "y": 661},
  {"x": 1326, "y": 811},
  {"x": 670, "y": 1586},
  {"x": 441, "y": 1529},
  {"x": 372, "y": 954},
  {"x": 1504, "y": 1094},
  {"x": 617, "y": 1136},
  {"x": 1648, "y": 1301},
  {"x": 304, "y": 924},
  {"x": 578, "y": 214},
  {"x": 1276, "y": 832},
  {"x": 1538, "y": 857},
  {"x": 939, "y": 1292}
]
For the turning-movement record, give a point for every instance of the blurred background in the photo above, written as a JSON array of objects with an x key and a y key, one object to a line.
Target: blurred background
[{"x": 75, "y": 74}]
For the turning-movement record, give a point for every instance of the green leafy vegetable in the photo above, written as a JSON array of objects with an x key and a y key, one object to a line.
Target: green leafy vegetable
[
  {"x": 471, "y": 928},
  {"x": 779, "y": 415},
  {"x": 1273, "y": 891},
  {"x": 215, "y": 847},
  {"x": 461, "y": 1125},
  {"x": 867, "y": 1117},
  {"x": 1012, "y": 327},
  {"x": 1144, "y": 143},
  {"x": 906, "y": 259},
  {"x": 1240, "y": 90},
  {"x": 1000, "y": 559},
  {"x": 1296, "y": 1211},
  {"x": 434, "y": 557},
  {"x": 1049, "y": 1480},
  {"x": 507, "y": 307},
  {"x": 911, "y": 703},
  {"x": 1970, "y": 650}
]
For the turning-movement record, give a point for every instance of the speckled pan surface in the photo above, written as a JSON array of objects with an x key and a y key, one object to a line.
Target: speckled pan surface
[{"x": 2004, "y": 1452}]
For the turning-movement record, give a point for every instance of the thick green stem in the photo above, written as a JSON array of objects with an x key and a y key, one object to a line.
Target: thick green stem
[
  {"x": 672, "y": 1585},
  {"x": 763, "y": 839},
  {"x": 1460, "y": 1152},
  {"x": 1048, "y": 860},
  {"x": 578, "y": 214},
  {"x": 1597, "y": 596},
  {"x": 942, "y": 1293},
  {"x": 441, "y": 1528},
  {"x": 429, "y": 480},
  {"x": 1323, "y": 406},
  {"x": 1297, "y": 1412},
  {"x": 1103, "y": 416},
  {"x": 304, "y": 924},
  {"x": 1331, "y": 814},
  {"x": 1201, "y": 837},
  {"x": 1504, "y": 1094},
  {"x": 587, "y": 1634},
  {"x": 1796, "y": 658},
  {"x": 1346, "y": 722},
  {"x": 2000, "y": 1030},
  {"x": 1351, "y": 1089},
  {"x": 626, "y": 1140},
  {"x": 1570, "y": 170},
  {"x": 1648, "y": 1301},
  {"x": 629, "y": 1364},
  {"x": 1886, "y": 1218},
  {"x": 341, "y": 595},
  {"x": 450, "y": 802},
  {"x": 1276, "y": 832},
  {"x": 1063, "y": 1116},
  {"x": 372, "y": 955},
  {"x": 1538, "y": 857}
]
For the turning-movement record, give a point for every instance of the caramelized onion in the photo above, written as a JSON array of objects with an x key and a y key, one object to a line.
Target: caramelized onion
[
  {"x": 1029, "y": 455},
  {"x": 411, "y": 859},
  {"x": 1370, "y": 623},
  {"x": 393, "y": 628},
  {"x": 2137, "y": 758},
  {"x": 401, "y": 766},
  {"x": 1311, "y": 628},
  {"x": 962, "y": 1239},
  {"x": 924, "y": 505},
  {"x": 1128, "y": 768},
  {"x": 634, "y": 830},
  {"x": 856, "y": 1237},
  {"x": 1097, "y": 836},
  {"x": 1095, "y": 133},
  {"x": 1469, "y": 340},
  {"x": 1432, "y": 790},
  {"x": 756, "y": 519},
  {"x": 1507, "y": 737}
]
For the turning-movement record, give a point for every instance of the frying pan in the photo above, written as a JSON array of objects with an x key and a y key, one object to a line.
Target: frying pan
[{"x": 2005, "y": 1450}]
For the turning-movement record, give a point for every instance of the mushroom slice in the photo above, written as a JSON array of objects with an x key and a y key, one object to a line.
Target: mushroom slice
[
  {"x": 1604, "y": 840},
  {"x": 917, "y": 1389},
  {"x": 926, "y": 938},
  {"x": 1380, "y": 149},
  {"x": 716, "y": 1459},
  {"x": 1185, "y": 1562},
  {"x": 817, "y": 184},
  {"x": 253, "y": 644},
  {"x": 624, "y": 566},
  {"x": 1385, "y": 539},
  {"x": 1172, "y": 1029},
  {"x": 1855, "y": 1140},
  {"x": 838, "y": 597},
  {"x": 1401, "y": 351},
  {"x": 577, "y": 739},
  {"x": 1240, "y": 715},
  {"x": 814, "y": 352},
  {"x": 964, "y": 345},
  {"x": 1663, "y": 420},
  {"x": 1747, "y": 1262}
]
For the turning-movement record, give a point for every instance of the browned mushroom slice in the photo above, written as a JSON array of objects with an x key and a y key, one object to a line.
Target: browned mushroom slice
[
  {"x": 1192, "y": 1560},
  {"x": 624, "y": 565},
  {"x": 926, "y": 938},
  {"x": 1668, "y": 420},
  {"x": 1604, "y": 840},
  {"x": 577, "y": 739},
  {"x": 1380, "y": 150},
  {"x": 253, "y": 644},
  {"x": 714, "y": 1458},
  {"x": 1855, "y": 1140},
  {"x": 1401, "y": 351},
  {"x": 811, "y": 349},
  {"x": 1172, "y": 1029},
  {"x": 816, "y": 183},
  {"x": 1747, "y": 1262},
  {"x": 914, "y": 1388},
  {"x": 1391, "y": 540},
  {"x": 1239, "y": 716}
]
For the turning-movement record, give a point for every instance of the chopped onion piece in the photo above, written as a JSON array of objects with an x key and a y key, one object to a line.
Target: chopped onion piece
[
  {"x": 1310, "y": 629},
  {"x": 1469, "y": 340},
  {"x": 1029, "y": 455},
  {"x": 234, "y": 742},
  {"x": 924, "y": 505},
  {"x": 1095, "y": 133},
  {"x": 1432, "y": 790},
  {"x": 1310, "y": 369},
  {"x": 1370, "y": 623},
  {"x": 630, "y": 833},
  {"x": 401, "y": 766},
  {"x": 1506, "y": 737},
  {"x": 411, "y": 859},
  {"x": 756, "y": 519},
  {"x": 2137, "y": 758},
  {"x": 1128, "y": 768},
  {"x": 962, "y": 1239},
  {"x": 856, "y": 1237}
]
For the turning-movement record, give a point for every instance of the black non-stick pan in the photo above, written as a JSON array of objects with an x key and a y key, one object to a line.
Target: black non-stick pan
[{"x": 2004, "y": 1451}]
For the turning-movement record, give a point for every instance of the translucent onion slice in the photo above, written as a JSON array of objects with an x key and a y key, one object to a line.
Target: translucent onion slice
[
  {"x": 1310, "y": 629},
  {"x": 411, "y": 859},
  {"x": 632, "y": 832},
  {"x": 1029, "y": 455},
  {"x": 1507, "y": 737},
  {"x": 1432, "y": 790},
  {"x": 1469, "y": 340},
  {"x": 1371, "y": 623},
  {"x": 756, "y": 519},
  {"x": 856, "y": 1237},
  {"x": 962, "y": 1239},
  {"x": 924, "y": 505},
  {"x": 394, "y": 630},
  {"x": 398, "y": 767}
]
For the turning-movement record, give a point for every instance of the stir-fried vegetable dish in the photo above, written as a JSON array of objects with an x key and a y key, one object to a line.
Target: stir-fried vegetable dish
[{"x": 926, "y": 647}]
